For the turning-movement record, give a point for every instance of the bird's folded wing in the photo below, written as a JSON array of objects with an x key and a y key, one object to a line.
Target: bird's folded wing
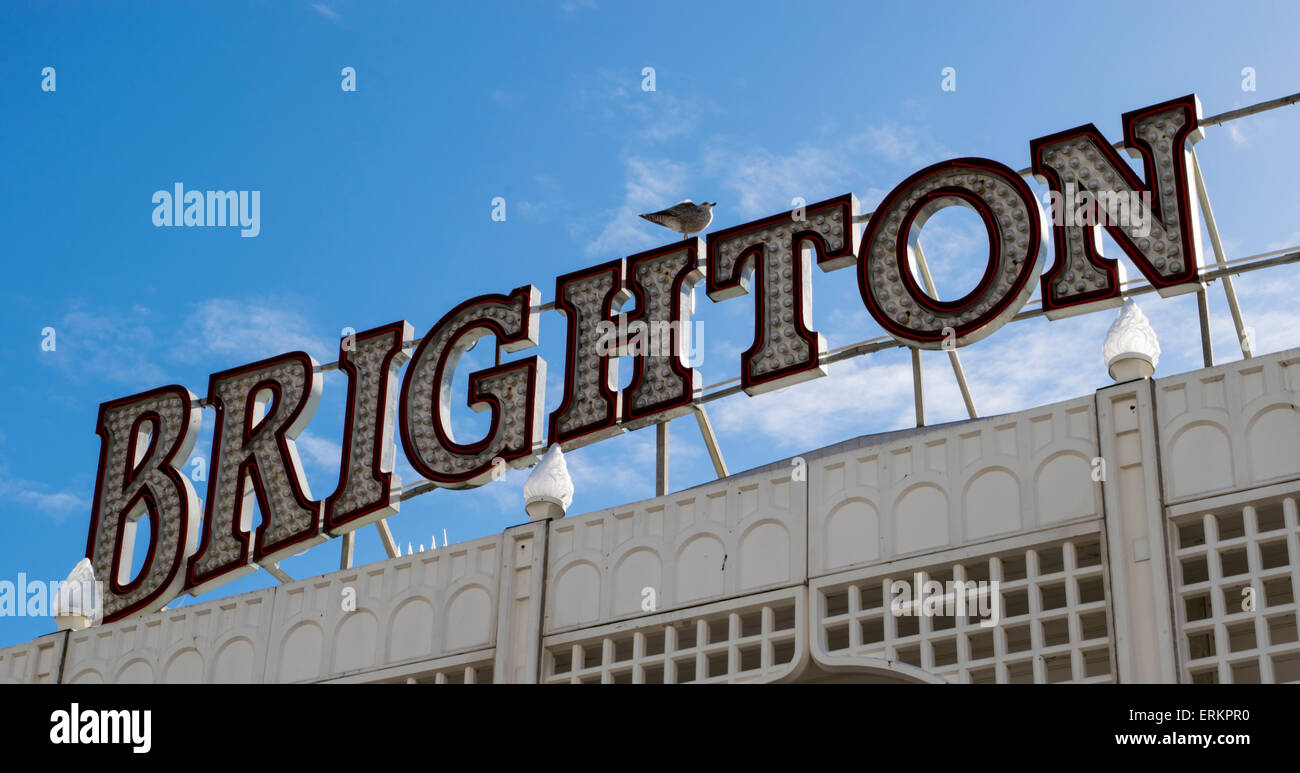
[{"x": 658, "y": 218}]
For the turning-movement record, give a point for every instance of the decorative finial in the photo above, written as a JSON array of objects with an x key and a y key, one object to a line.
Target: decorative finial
[
  {"x": 548, "y": 492},
  {"x": 79, "y": 603},
  {"x": 1131, "y": 349}
]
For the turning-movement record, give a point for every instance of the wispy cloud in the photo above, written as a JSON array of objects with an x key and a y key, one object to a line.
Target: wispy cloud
[
  {"x": 32, "y": 496},
  {"x": 766, "y": 181},
  {"x": 862, "y": 393},
  {"x": 897, "y": 143},
  {"x": 106, "y": 344},
  {"x": 319, "y": 451},
  {"x": 246, "y": 330},
  {"x": 648, "y": 185},
  {"x": 640, "y": 115},
  {"x": 326, "y": 11},
  {"x": 135, "y": 346}
]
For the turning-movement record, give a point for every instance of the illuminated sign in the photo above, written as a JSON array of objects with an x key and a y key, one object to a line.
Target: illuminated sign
[{"x": 263, "y": 406}]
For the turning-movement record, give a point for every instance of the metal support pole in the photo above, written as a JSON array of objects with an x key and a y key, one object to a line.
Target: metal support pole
[
  {"x": 661, "y": 458},
  {"x": 1221, "y": 259},
  {"x": 953, "y": 357},
  {"x": 1207, "y": 343},
  {"x": 710, "y": 441},
  {"x": 918, "y": 391},
  {"x": 345, "y": 557},
  {"x": 386, "y": 536},
  {"x": 277, "y": 572}
]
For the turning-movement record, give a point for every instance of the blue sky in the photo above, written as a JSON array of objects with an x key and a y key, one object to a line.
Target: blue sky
[{"x": 375, "y": 204}]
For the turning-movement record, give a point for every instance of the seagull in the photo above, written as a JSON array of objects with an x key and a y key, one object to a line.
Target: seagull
[{"x": 685, "y": 218}]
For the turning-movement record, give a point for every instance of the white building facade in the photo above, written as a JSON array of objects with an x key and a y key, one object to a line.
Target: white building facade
[{"x": 1146, "y": 533}]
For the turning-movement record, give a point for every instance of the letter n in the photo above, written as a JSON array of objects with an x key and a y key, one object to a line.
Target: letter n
[{"x": 1082, "y": 279}]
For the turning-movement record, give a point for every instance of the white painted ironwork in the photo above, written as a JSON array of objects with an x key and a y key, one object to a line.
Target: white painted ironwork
[
  {"x": 761, "y": 640},
  {"x": 1237, "y": 568},
  {"x": 1053, "y": 625}
]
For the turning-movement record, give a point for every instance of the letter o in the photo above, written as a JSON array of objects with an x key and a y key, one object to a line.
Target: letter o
[{"x": 1014, "y": 221}]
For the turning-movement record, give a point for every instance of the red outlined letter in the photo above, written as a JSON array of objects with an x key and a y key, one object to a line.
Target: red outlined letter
[
  {"x": 135, "y": 481},
  {"x": 590, "y": 408},
  {"x": 661, "y": 281},
  {"x": 261, "y": 408},
  {"x": 1161, "y": 233},
  {"x": 368, "y": 489},
  {"x": 785, "y": 350},
  {"x": 1014, "y": 222},
  {"x": 513, "y": 392}
]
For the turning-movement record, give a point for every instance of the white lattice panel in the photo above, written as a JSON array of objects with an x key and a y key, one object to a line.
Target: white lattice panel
[
  {"x": 739, "y": 535},
  {"x": 931, "y": 489},
  {"x": 759, "y": 639},
  {"x": 1054, "y": 624},
  {"x": 1237, "y": 576},
  {"x": 1231, "y": 427},
  {"x": 411, "y": 608}
]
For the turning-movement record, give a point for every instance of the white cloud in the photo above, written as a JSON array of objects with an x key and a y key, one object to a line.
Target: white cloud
[
  {"x": 649, "y": 184},
  {"x": 244, "y": 331},
  {"x": 326, "y": 11},
  {"x": 859, "y": 396},
  {"x": 895, "y": 143},
  {"x": 317, "y": 450},
  {"x": 31, "y": 495},
  {"x": 107, "y": 345},
  {"x": 1022, "y": 365},
  {"x": 1291, "y": 241},
  {"x": 765, "y": 181},
  {"x": 617, "y": 465}
]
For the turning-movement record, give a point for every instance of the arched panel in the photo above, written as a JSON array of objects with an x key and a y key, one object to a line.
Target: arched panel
[
  {"x": 852, "y": 534},
  {"x": 1064, "y": 488},
  {"x": 355, "y": 641},
  {"x": 700, "y": 565},
  {"x": 469, "y": 618},
  {"x": 300, "y": 654},
  {"x": 638, "y": 569},
  {"x": 991, "y": 504},
  {"x": 764, "y": 555},
  {"x": 1200, "y": 460},
  {"x": 135, "y": 672},
  {"x": 410, "y": 633},
  {"x": 89, "y": 676},
  {"x": 1273, "y": 443},
  {"x": 185, "y": 667},
  {"x": 577, "y": 594},
  {"x": 921, "y": 519}
]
